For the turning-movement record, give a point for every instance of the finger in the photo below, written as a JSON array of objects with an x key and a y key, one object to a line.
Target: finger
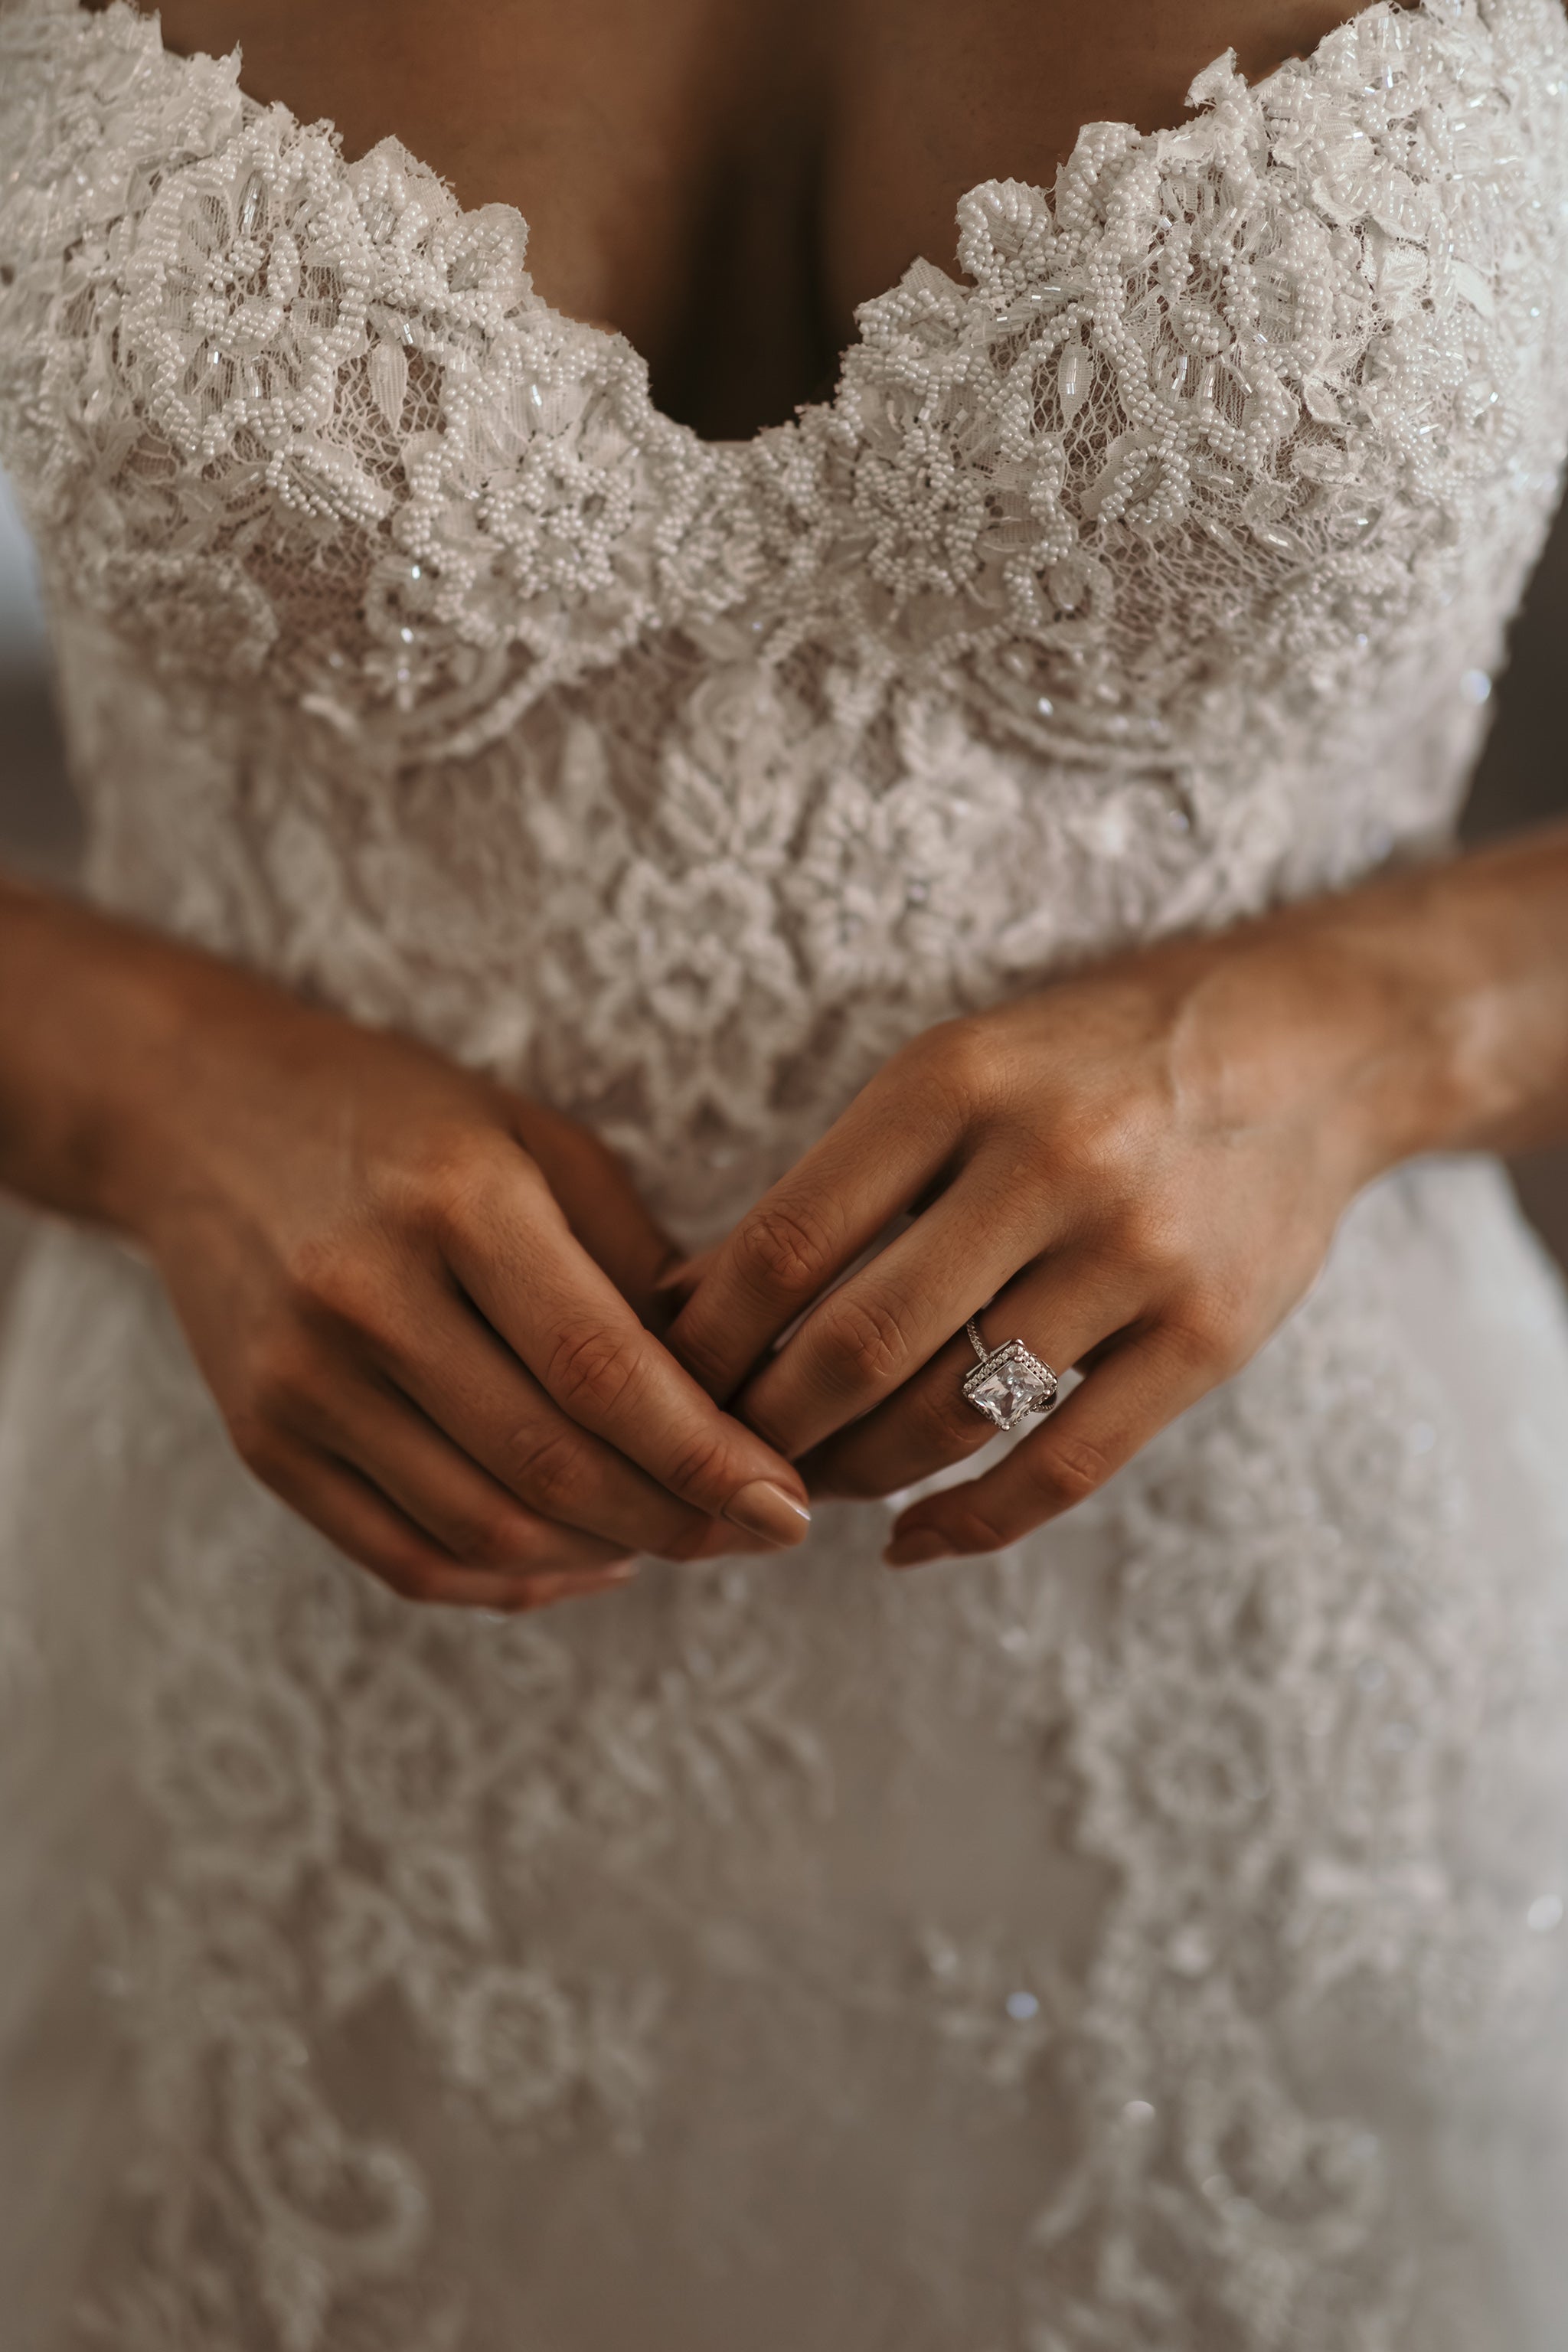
[
  {"x": 682, "y": 1274},
  {"x": 513, "y": 1254},
  {"x": 673, "y": 1288},
  {"x": 871, "y": 1165},
  {"x": 872, "y": 1335},
  {"x": 1126, "y": 1399},
  {"x": 470, "y": 1385},
  {"x": 1061, "y": 1310},
  {"x": 471, "y": 1516},
  {"x": 372, "y": 1532},
  {"x": 602, "y": 1205}
]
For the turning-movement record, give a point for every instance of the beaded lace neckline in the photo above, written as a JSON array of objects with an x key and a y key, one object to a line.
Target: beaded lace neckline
[{"x": 1153, "y": 142}]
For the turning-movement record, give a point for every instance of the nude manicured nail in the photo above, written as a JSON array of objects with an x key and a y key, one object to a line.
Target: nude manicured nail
[
  {"x": 766, "y": 1510},
  {"x": 912, "y": 1551}
]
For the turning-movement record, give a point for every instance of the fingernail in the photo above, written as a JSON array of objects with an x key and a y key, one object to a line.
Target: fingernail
[
  {"x": 912, "y": 1551},
  {"x": 766, "y": 1510}
]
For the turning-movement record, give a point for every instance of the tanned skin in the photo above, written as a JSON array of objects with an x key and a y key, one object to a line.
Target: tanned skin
[
  {"x": 425, "y": 1305},
  {"x": 726, "y": 180}
]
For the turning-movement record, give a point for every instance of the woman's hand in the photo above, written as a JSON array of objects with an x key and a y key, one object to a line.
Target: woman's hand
[
  {"x": 413, "y": 1296},
  {"x": 1142, "y": 1169}
]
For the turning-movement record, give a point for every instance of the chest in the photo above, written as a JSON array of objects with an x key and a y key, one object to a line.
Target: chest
[{"x": 726, "y": 180}]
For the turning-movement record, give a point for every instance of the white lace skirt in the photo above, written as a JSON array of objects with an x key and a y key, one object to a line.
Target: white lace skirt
[{"x": 1152, "y": 1936}]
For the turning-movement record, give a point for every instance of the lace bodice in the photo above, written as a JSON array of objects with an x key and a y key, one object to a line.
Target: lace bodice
[{"x": 1152, "y": 568}]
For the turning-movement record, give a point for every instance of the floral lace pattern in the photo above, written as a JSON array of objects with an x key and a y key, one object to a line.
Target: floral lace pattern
[
  {"x": 1207, "y": 496},
  {"x": 1153, "y": 571}
]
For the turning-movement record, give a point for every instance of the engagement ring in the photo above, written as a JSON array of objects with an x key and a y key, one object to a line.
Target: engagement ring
[{"x": 1008, "y": 1381}]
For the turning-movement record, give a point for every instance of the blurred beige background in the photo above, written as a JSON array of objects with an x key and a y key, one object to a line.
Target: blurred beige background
[{"x": 1522, "y": 780}]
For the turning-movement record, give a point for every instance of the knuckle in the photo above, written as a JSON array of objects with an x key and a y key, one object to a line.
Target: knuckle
[
  {"x": 449, "y": 1185},
  {"x": 864, "y": 1343},
  {"x": 1105, "y": 1143},
  {"x": 328, "y": 1281},
  {"x": 1140, "y": 1236},
  {"x": 700, "y": 1469},
  {"x": 255, "y": 1440},
  {"x": 783, "y": 1252},
  {"x": 278, "y": 1379},
  {"x": 969, "y": 1063},
  {"x": 1084, "y": 1163},
  {"x": 544, "y": 1466},
  {"x": 444, "y": 1194},
  {"x": 1207, "y": 1337},
  {"x": 490, "y": 1539},
  {"x": 591, "y": 1370},
  {"x": 1069, "y": 1471}
]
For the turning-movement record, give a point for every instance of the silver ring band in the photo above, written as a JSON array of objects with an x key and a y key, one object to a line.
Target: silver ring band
[{"x": 1008, "y": 1381}]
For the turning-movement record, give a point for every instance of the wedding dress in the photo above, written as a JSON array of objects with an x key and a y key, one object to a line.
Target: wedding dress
[{"x": 1148, "y": 1940}]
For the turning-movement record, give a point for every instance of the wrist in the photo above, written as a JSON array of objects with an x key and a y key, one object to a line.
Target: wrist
[
  {"x": 1425, "y": 1010},
  {"x": 97, "y": 1082},
  {"x": 1460, "y": 1039},
  {"x": 145, "y": 1093},
  {"x": 1335, "y": 1020}
]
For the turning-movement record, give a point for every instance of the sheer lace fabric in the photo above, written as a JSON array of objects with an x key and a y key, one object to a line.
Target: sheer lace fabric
[{"x": 1146, "y": 1938}]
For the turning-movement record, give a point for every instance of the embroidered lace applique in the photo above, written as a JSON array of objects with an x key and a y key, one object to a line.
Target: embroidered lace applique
[
  {"x": 1152, "y": 573},
  {"x": 1180, "y": 495}
]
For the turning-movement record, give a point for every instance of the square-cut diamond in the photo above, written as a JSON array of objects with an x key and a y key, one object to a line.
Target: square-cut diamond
[{"x": 1010, "y": 1384}]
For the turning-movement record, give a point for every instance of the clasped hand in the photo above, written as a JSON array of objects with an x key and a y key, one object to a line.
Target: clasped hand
[
  {"x": 1142, "y": 1170},
  {"x": 425, "y": 1305},
  {"x": 415, "y": 1297}
]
